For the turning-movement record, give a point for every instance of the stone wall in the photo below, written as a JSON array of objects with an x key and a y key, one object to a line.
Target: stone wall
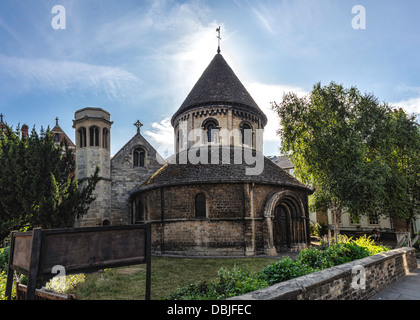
[
  {"x": 126, "y": 177},
  {"x": 234, "y": 225},
  {"x": 229, "y": 121},
  {"x": 381, "y": 270},
  {"x": 201, "y": 238}
]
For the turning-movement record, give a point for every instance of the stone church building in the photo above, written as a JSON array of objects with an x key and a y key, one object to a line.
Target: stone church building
[{"x": 218, "y": 195}]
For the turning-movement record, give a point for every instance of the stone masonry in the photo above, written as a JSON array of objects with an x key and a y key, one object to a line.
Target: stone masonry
[{"x": 341, "y": 282}]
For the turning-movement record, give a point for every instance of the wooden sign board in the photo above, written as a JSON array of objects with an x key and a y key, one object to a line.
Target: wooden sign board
[{"x": 78, "y": 250}]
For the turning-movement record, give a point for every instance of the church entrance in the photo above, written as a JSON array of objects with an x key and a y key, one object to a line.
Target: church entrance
[
  {"x": 288, "y": 223},
  {"x": 281, "y": 228}
]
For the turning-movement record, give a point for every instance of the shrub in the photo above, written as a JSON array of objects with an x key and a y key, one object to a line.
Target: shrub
[
  {"x": 3, "y": 281},
  {"x": 229, "y": 283},
  {"x": 314, "y": 258},
  {"x": 285, "y": 269},
  {"x": 236, "y": 282},
  {"x": 4, "y": 258},
  {"x": 369, "y": 244},
  {"x": 314, "y": 229}
]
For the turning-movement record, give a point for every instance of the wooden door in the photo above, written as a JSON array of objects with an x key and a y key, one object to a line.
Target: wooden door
[{"x": 281, "y": 233}]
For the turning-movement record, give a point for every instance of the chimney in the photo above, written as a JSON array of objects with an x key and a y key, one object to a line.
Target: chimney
[{"x": 24, "y": 131}]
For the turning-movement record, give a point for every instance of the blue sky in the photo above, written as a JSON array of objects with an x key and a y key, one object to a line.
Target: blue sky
[{"x": 139, "y": 59}]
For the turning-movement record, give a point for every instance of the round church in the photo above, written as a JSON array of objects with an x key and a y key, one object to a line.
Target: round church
[{"x": 218, "y": 195}]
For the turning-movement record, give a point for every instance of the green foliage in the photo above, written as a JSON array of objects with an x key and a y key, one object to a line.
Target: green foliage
[
  {"x": 369, "y": 245},
  {"x": 318, "y": 230},
  {"x": 3, "y": 281},
  {"x": 38, "y": 185},
  {"x": 236, "y": 282},
  {"x": 65, "y": 284},
  {"x": 230, "y": 283},
  {"x": 4, "y": 258},
  {"x": 358, "y": 153},
  {"x": 285, "y": 269}
]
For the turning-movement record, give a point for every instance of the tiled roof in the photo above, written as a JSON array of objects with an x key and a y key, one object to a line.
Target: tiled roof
[
  {"x": 282, "y": 161},
  {"x": 174, "y": 173},
  {"x": 219, "y": 85}
]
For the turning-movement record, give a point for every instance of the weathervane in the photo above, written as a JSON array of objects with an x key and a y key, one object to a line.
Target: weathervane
[
  {"x": 138, "y": 124},
  {"x": 219, "y": 38}
]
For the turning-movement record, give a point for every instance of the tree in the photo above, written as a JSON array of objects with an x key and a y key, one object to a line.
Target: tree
[
  {"x": 37, "y": 183},
  {"x": 403, "y": 158},
  {"x": 339, "y": 141}
]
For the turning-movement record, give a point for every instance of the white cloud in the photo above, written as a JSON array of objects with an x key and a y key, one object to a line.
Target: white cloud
[
  {"x": 263, "y": 95},
  {"x": 43, "y": 74},
  {"x": 162, "y": 137},
  {"x": 411, "y": 105}
]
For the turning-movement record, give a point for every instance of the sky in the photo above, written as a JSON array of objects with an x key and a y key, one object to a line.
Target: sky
[{"x": 139, "y": 59}]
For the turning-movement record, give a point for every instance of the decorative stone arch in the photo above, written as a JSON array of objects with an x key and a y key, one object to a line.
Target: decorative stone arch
[
  {"x": 211, "y": 128},
  {"x": 247, "y": 138},
  {"x": 289, "y": 204}
]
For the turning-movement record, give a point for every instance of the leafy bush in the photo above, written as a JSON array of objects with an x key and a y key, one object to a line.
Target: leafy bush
[
  {"x": 65, "y": 284},
  {"x": 3, "y": 281},
  {"x": 229, "y": 283},
  {"x": 369, "y": 244},
  {"x": 4, "y": 258},
  {"x": 285, "y": 269},
  {"x": 236, "y": 282},
  {"x": 314, "y": 258}
]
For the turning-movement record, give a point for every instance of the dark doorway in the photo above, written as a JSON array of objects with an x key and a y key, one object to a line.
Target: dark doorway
[{"x": 281, "y": 228}]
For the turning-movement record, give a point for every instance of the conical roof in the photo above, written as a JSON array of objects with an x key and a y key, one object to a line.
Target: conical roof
[{"x": 219, "y": 85}]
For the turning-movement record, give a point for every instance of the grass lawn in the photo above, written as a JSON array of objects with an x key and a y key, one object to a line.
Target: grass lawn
[{"x": 168, "y": 274}]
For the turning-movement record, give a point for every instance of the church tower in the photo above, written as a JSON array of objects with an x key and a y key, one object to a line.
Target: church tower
[
  {"x": 219, "y": 107},
  {"x": 93, "y": 132}
]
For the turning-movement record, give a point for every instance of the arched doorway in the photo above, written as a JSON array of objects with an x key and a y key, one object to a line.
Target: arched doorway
[
  {"x": 286, "y": 223},
  {"x": 281, "y": 228}
]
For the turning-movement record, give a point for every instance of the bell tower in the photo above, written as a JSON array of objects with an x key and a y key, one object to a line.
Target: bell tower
[{"x": 93, "y": 136}]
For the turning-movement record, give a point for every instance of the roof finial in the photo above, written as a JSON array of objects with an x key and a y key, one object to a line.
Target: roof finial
[
  {"x": 56, "y": 121},
  {"x": 1, "y": 117},
  {"x": 219, "y": 38},
  {"x": 138, "y": 124}
]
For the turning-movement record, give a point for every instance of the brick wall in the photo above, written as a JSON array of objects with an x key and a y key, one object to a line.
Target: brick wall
[{"x": 381, "y": 270}]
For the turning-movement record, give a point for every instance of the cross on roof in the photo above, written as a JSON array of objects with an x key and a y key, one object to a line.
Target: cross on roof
[
  {"x": 219, "y": 38},
  {"x": 1, "y": 117},
  {"x": 138, "y": 124}
]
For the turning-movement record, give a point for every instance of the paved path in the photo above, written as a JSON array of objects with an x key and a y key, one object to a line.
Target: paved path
[{"x": 406, "y": 288}]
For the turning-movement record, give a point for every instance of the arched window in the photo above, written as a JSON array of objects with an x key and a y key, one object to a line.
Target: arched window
[
  {"x": 200, "y": 205},
  {"x": 105, "y": 138},
  {"x": 139, "y": 157},
  {"x": 210, "y": 127},
  {"x": 247, "y": 134},
  {"x": 94, "y": 136},
  {"x": 82, "y": 137}
]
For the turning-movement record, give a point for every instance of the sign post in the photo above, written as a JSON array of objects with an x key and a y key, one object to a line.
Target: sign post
[{"x": 78, "y": 250}]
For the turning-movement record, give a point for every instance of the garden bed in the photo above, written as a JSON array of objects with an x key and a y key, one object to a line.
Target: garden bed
[
  {"x": 340, "y": 282},
  {"x": 235, "y": 282}
]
